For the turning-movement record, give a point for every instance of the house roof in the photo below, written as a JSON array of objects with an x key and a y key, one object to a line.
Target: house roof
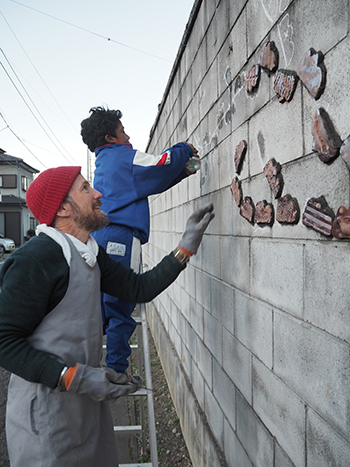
[
  {"x": 6, "y": 159},
  {"x": 12, "y": 200}
]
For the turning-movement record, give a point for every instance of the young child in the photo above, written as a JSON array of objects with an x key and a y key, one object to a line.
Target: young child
[{"x": 126, "y": 177}]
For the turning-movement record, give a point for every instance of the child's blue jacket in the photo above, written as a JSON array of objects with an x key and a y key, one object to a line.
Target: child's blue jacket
[{"x": 126, "y": 177}]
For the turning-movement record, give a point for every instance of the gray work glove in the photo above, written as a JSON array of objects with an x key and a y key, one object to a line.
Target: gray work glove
[
  {"x": 195, "y": 228},
  {"x": 100, "y": 383}
]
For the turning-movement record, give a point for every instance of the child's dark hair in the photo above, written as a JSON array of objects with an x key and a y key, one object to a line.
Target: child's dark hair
[{"x": 101, "y": 122}]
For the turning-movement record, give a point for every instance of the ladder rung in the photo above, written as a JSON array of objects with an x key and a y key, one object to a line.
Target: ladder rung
[
  {"x": 134, "y": 346},
  {"x": 138, "y": 321},
  {"x": 139, "y": 392},
  {"x": 128, "y": 429}
]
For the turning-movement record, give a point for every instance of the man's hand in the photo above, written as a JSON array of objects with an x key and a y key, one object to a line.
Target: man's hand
[
  {"x": 99, "y": 383},
  {"x": 195, "y": 228}
]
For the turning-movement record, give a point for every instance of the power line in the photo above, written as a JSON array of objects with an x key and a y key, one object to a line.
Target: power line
[
  {"x": 19, "y": 139},
  {"x": 35, "y": 69},
  {"x": 31, "y": 111},
  {"x": 91, "y": 32}
]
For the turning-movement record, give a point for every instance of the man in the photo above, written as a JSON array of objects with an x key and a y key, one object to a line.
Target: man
[
  {"x": 126, "y": 177},
  {"x": 51, "y": 330}
]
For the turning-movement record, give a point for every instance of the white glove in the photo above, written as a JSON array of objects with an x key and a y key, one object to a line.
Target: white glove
[{"x": 195, "y": 228}]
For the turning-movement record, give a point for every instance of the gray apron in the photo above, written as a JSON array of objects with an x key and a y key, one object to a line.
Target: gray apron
[{"x": 54, "y": 428}]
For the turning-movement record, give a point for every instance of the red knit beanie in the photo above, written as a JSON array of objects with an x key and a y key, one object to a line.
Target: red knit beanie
[{"x": 47, "y": 192}]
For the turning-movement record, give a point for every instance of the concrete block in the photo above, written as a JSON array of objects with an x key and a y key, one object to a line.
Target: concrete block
[
  {"x": 236, "y": 10},
  {"x": 255, "y": 438},
  {"x": 187, "y": 361},
  {"x": 197, "y": 382},
  {"x": 199, "y": 69},
  {"x": 281, "y": 411},
  {"x": 234, "y": 452},
  {"x": 235, "y": 254},
  {"x": 234, "y": 53},
  {"x": 220, "y": 117},
  {"x": 192, "y": 115},
  {"x": 194, "y": 187},
  {"x": 190, "y": 281},
  {"x": 281, "y": 458},
  {"x": 213, "y": 336},
  {"x": 261, "y": 16},
  {"x": 276, "y": 131},
  {"x": 196, "y": 38},
  {"x": 237, "y": 364},
  {"x": 214, "y": 414},
  {"x": 197, "y": 320},
  {"x": 316, "y": 366},
  {"x": 201, "y": 133},
  {"x": 277, "y": 274},
  {"x": 210, "y": 253},
  {"x": 327, "y": 293},
  {"x": 224, "y": 392},
  {"x": 253, "y": 327},
  {"x": 211, "y": 454},
  {"x": 217, "y": 31},
  {"x": 223, "y": 221},
  {"x": 209, "y": 173},
  {"x": 222, "y": 304},
  {"x": 324, "y": 445},
  {"x": 204, "y": 362},
  {"x": 186, "y": 91},
  {"x": 208, "y": 89},
  {"x": 202, "y": 288}
]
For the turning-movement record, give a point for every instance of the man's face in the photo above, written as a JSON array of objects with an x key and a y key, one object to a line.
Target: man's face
[{"x": 85, "y": 203}]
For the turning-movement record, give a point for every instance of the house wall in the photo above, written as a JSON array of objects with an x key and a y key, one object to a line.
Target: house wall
[
  {"x": 254, "y": 335},
  {"x": 24, "y": 212}
]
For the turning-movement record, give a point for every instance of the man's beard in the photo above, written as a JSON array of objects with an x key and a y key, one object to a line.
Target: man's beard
[{"x": 88, "y": 222}]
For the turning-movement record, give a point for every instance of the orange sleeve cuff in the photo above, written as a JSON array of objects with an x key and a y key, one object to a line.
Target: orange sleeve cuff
[
  {"x": 70, "y": 374},
  {"x": 187, "y": 253}
]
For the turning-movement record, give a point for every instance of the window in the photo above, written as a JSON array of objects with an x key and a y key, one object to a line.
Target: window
[
  {"x": 8, "y": 181},
  {"x": 25, "y": 183}
]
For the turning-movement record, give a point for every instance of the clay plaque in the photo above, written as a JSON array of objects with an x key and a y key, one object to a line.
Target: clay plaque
[
  {"x": 312, "y": 72},
  {"x": 252, "y": 79},
  {"x": 269, "y": 57},
  {"x": 318, "y": 216},
  {"x": 345, "y": 151},
  {"x": 247, "y": 209},
  {"x": 272, "y": 172},
  {"x": 287, "y": 210},
  {"x": 264, "y": 213},
  {"x": 241, "y": 150},
  {"x": 236, "y": 188},
  {"x": 341, "y": 224},
  {"x": 327, "y": 142},
  {"x": 285, "y": 84}
]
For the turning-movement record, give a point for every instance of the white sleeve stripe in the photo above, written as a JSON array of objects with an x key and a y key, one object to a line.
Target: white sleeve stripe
[{"x": 146, "y": 160}]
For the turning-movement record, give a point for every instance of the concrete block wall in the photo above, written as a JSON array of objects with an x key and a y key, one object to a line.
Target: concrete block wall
[{"x": 254, "y": 335}]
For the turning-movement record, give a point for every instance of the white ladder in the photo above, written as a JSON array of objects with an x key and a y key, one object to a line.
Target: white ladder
[{"x": 143, "y": 347}]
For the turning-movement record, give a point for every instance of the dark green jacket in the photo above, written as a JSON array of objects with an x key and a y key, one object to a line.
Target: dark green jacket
[{"x": 34, "y": 280}]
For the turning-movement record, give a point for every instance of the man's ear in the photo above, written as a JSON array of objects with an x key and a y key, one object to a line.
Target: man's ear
[{"x": 64, "y": 210}]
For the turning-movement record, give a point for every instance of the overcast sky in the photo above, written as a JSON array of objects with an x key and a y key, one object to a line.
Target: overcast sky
[{"x": 60, "y": 58}]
